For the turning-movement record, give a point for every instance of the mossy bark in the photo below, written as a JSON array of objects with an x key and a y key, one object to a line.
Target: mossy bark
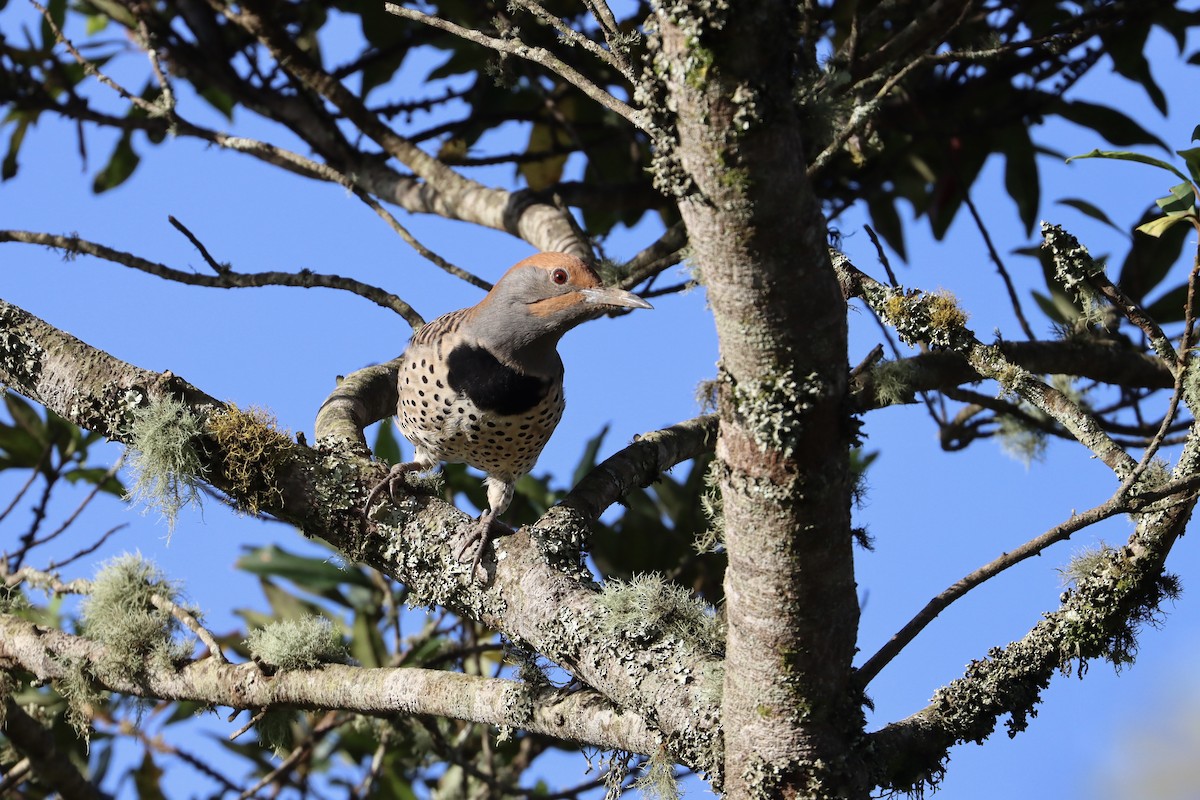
[{"x": 789, "y": 714}]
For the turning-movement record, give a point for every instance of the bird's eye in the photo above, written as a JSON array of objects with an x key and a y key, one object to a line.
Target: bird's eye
[{"x": 559, "y": 276}]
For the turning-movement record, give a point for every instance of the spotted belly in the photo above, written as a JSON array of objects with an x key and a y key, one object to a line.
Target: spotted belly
[{"x": 495, "y": 423}]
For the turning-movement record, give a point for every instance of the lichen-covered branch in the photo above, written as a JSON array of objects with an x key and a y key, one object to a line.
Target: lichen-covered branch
[
  {"x": 322, "y": 491},
  {"x": 936, "y": 320},
  {"x": 581, "y": 716}
]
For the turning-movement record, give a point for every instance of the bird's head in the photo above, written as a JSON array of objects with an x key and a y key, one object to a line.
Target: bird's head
[{"x": 544, "y": 296}]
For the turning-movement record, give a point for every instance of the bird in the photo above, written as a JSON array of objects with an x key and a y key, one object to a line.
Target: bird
[{"x": 483, "y": 385}]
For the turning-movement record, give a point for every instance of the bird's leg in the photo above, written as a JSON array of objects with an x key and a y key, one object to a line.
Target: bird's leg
[
  {"x": 394, "y": 478},
  {"x": 500, "y": 494}
]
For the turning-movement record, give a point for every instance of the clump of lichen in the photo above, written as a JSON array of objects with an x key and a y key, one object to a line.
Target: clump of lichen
[
  {"x": 1021, "y": 439},
  {"x": 657, "y": 781},
  {"x": 712, "y": 538},
  {"x": 892, "y": 382},
  {"x": 1074, "y": 268},
  {"x": 129, "y": 610},
  {"x": 648, "y": 608},
  {"x": 1111, "y": 599},
  {"x": 291, "y": 644},
  {"x": 253, "y": 450},
  {"x": 932, "y": 318},
  {"x": 773, "y": 408},
  {"x": 164, "y": 455}
]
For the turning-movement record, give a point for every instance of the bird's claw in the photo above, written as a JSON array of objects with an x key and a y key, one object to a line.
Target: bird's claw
[
  {"x": 394, "y": 478},
  {"x": 476, "y": 541}
]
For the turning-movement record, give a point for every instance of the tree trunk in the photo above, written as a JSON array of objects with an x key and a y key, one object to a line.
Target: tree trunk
[{"x": 789, "y": 713}]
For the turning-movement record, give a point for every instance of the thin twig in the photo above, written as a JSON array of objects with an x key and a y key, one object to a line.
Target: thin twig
[
  {"x": 33, "y": 476},
  {"x": 538, "y": 55},
  {"x": 216, "y": 266},
  {"x": 91, "y": 69},
  {"x": 415, "y": 244},
  {"x": 1110, "y": 508},
  {"x": 1004, "y": 276},
  {"x": 572, "y": 36},
  {"x": 611, "y": 30},
  {"x": 664, "y": 253},
  {"x": 84, "y": 504},
  {"x": 87, "y": 551},
  {"x": 230, "y": 280},
  {"x": 189, "y": 621}
]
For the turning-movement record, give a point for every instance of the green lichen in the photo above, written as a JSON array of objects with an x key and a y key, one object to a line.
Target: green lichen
[
  {"x": 128, "y": 609},
  {"x": 773, "y": 407},
  {"x": 892, "y": 382},
  {"x": 165, "y": 457},
  {"x": 712, "y": 538},
  {"x": 1020, "y": 439},
  {"x": 1075, "y": 269},
  {"x": 657, "y": 781},
  {"x": 292, "y": 644},
  {"x": 932, "y": 318},
  {"x": 649, "y": 608},
  {"x": 253, "y": 452}
]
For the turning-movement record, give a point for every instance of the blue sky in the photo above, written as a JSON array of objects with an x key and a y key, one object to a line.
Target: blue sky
[{"x": 935, "y": 516}]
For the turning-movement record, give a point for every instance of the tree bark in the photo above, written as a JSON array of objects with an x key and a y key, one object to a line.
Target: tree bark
[{"x": 789, "y": 712}]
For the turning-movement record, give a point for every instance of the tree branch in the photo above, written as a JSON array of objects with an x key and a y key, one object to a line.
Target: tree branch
[
  {"x": 225, "y": 278},
  {"x": 323, "y": 491},
  {"x": 53, "y": 767},
  {"x": 538, "y": 55},
  {"x": 454, "y": 195},
  {"x": 581, "y": 716}
]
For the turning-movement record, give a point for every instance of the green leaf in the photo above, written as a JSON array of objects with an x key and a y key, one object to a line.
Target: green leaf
[
  {"x": 9, "y": 168},
  {"x": 120, "y": 166},
  {"x": 1157, "y": 227},
  {"x": 284, "y": 604},
  {"x": 587, "y": 462},
  {"x": 220, "y": 100},
  {"x": 1181, "y": 200},
  {"x": 1086, "y": 208},
  {"x": 886, "y": 222},
  {"x": 387, "y": 446},
  {"x": 314, "y": 574},
  {"x": 93, "y": 475},
  {"x": 1191, "y": 157},
  {"x": 1170, "y": 307},
  {"x": 1115, "y": 126},
  {"x": 1126, "y": 155},
  {"x": 1150, "y": 258},
  {"x": 57, "y": 10},
  {"x": 366, "y": 644},
  {"x": 95, "y": 24},
  {"x": 26, "y": 418},
  {"x": 147, "y": 778},
  {"x": 1021, "y": 175},
  {"x": 1054, "y": 309}
]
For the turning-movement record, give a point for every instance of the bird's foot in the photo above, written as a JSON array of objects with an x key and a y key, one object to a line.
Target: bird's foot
[
  {"x": 395, "y": 477},
  {"x": 475, "y": 542}
]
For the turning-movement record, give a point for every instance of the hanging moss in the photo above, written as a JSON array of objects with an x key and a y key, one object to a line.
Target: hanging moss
[{"x": 164, "y": 455}]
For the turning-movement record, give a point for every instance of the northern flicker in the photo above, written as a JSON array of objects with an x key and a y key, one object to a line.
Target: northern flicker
[{"x": 484, "y": 385}]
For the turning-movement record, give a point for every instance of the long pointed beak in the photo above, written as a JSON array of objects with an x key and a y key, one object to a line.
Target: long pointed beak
[{"x": 612, "y": 296}]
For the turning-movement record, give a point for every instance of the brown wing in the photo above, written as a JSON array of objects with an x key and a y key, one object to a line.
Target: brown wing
[{"x": 442, "y": 326}]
